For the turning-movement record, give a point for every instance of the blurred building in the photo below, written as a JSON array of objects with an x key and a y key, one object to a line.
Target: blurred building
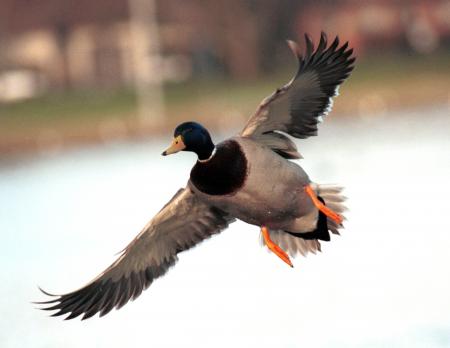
[{"x": 60, "y": 45}]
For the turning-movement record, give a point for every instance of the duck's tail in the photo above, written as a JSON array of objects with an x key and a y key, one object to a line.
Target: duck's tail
[
  {"x": 333, "y": 199},
  {"x": 304, "y": 243}
]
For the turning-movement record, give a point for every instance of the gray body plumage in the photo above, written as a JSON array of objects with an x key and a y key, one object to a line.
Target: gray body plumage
[{"x": 273, "y": 193}]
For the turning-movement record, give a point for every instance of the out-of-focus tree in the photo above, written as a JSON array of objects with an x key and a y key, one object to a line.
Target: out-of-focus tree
[
  {"x": 79, "y": 44},
  {"x": 244, "y": 36}
]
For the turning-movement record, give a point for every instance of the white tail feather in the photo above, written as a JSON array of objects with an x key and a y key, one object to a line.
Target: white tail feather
[
  {"x": 333, "y": 198},
  {"x": 293, "y": 245}
]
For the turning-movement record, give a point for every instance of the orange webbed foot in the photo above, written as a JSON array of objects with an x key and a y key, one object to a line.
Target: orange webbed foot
[
  {"x": 275, "y": 248},
  {"x": 322, "y": 207}
]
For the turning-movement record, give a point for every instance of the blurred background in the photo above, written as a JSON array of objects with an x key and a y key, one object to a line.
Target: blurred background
[
  {"x": 78, "y": 72},
  {"x": 90, "y": 92}
]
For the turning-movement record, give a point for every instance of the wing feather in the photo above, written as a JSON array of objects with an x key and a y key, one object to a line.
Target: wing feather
[
  {"x": 182, "y": 223},
  {"x": 298, "y": 107}
]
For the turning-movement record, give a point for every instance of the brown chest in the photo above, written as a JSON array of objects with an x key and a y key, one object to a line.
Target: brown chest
[{"x": 224, "y": 173}]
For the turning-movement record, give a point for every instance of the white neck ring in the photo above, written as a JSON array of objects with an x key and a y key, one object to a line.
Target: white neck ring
[{"x": 206, "y": 160}]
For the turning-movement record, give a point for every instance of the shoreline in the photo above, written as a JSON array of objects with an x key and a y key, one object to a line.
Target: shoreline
[{"x": 66, "y": 121}]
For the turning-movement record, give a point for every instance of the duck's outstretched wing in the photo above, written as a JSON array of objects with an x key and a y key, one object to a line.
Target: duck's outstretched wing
[
  {"x": 181, "y": 224},
  {"x": 297, "y": 107}
]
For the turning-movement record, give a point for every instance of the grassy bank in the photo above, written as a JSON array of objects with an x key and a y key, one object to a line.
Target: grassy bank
[{"x": 377, "y": 85}]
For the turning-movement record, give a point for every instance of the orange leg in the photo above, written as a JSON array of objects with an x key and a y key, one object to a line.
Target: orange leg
[
  {"x": 322, "y": 207},
  {"x": 275, "y": 248}
]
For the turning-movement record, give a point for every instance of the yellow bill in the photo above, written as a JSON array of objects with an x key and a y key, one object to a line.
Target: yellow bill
[{"x": 176, "y": 146}]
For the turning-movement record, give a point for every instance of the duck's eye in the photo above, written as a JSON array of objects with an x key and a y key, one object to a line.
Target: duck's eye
[{"x": 176, "y": 142}]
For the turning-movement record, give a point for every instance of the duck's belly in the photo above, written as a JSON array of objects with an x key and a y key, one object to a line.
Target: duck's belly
[{"x": 272, "y": 194}]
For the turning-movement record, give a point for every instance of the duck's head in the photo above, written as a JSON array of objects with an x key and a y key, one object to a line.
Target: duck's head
[{"x": 191, "y": 136}]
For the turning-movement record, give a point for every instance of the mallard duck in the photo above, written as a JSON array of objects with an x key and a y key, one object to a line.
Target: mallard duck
[{"x": 249, "y": 177}]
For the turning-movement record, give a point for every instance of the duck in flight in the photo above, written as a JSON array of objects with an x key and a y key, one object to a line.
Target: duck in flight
[{"x": 249, "y": 177}]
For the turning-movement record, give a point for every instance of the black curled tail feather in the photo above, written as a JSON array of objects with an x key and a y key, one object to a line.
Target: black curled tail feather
[{"x": 321, "y": 232}]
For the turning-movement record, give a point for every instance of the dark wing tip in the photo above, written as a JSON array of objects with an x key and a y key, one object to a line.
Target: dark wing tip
[
  {"x": 74, "y": 303},
  {"x": 334, "y": 44},
  {"x": 323, "y": 42},
  {"x": 46, "y": 294},
  {"x": 309, "y": 47},
  {"x": 314, "y": 57},
  {"x": 102, "y": 296},
  {"x": 334, "y": 57}
]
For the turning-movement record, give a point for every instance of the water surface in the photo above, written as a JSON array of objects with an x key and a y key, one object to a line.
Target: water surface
[{"x": 384, "y": 283}]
